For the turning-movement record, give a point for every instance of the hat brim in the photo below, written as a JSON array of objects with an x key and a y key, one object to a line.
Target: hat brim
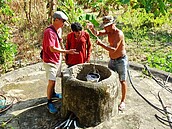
[{"x": 107, "y": 24}]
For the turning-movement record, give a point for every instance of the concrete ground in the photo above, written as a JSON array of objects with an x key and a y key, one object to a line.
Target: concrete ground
[{"x": 26, "y": 88}]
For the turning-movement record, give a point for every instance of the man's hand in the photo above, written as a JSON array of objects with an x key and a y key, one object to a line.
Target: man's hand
[
  {"x": 90, "y": 26},
  {"x": 72, "y": 51}
]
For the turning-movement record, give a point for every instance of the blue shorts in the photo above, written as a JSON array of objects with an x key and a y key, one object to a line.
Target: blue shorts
[{"x": 120, "y": 66}]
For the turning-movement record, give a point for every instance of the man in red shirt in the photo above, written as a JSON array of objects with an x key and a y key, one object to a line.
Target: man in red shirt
[
  {"x": 79, "y": 40},
  {"x": 52, "y": 55}
]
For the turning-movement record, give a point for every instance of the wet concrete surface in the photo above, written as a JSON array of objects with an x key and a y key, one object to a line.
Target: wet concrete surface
[{"x": 27, "y": 87}]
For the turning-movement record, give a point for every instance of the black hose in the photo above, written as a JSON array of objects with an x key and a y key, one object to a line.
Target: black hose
[
  {"x": 158, "y": 82},
  {"x": 165, "y": 110},
  {"x": 162, "y": 120},
  {"x": 158, "y": 109}
]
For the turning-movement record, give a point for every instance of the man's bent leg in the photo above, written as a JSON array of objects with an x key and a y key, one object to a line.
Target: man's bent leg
[
  {"x": 50, "y": 89},
  {"x": 123, "y": 90},
  {"x": 51, "y": 72},
  {"x": 122, "y": 71}
]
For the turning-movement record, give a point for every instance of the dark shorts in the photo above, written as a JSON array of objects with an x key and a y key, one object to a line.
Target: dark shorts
[{"x": 120, "y": 66}]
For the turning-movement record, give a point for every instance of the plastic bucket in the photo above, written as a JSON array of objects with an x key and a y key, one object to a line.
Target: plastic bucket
[{"x": 93, "y": 77}]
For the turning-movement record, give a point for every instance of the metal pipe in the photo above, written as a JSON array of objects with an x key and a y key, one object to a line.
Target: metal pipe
[
  {"x": 68, "y": 121},
  {"x": 60, "y": 125},
  {"x": 69, "y": 124},
  {"x": 76, "y": 127}
]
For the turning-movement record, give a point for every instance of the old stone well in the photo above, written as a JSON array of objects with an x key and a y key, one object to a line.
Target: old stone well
[{"x": 91, "y": 102}]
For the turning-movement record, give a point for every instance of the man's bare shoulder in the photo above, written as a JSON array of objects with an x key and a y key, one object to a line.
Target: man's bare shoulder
[{"x": 120, "y": 33}]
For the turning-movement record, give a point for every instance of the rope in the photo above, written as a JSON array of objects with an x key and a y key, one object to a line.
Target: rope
[
  {"x": 2, "y": 101},
  {"x": 5, "y": 106}
]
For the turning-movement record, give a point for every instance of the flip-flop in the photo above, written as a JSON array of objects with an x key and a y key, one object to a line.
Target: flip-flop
[{"x": 121, "y": 107}]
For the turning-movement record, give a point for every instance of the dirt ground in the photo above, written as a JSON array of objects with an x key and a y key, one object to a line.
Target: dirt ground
[{"x": 26, "y": 88}]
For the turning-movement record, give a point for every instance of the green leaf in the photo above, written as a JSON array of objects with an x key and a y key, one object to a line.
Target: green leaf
[{"x": 124, "y": 1}]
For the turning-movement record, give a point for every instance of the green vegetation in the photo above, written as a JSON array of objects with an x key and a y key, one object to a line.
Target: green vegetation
[
  {"x": 148, "y": 39},
  {"x": 7, "y": 48},
  {"x": 147, "y": 25}
]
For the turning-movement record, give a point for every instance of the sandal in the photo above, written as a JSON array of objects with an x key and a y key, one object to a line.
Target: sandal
[{"x": 121, "y": 106}]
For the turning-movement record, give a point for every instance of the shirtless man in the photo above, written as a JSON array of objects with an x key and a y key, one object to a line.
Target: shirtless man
[{"x": 117, "y": 53}]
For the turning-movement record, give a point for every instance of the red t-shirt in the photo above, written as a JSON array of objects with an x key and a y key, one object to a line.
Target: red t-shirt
[
  {"x": 82, "y": 45},
  {"x": 50, "y": 39}
]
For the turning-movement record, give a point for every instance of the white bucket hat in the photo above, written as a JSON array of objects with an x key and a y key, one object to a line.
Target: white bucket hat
[{"x": 108, "y": 20}]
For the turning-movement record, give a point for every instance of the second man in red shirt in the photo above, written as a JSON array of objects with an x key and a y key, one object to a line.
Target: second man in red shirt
[{"x": 79, "y": 40}]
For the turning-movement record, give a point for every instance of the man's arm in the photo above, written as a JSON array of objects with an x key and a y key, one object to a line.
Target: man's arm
[
  {"x": 59, "y": 50},
  {"x": 105, "y": 46},
  {"x": 90, "y": 26},
  {"x": 111, "y": 48}
]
